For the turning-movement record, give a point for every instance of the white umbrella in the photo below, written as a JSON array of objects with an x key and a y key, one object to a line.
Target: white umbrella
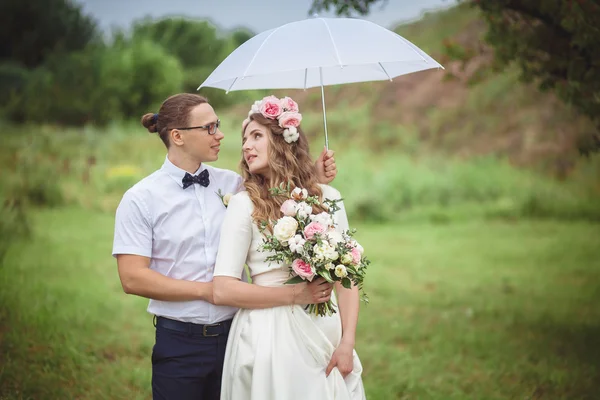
[{"x": 319, "y": 52}]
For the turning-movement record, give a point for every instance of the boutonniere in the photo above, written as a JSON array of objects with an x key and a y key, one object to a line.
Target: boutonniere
[{"x": 224, "y": 197}]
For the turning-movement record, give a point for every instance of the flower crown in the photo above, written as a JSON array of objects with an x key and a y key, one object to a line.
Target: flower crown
[{"x": 285, "y": 111}]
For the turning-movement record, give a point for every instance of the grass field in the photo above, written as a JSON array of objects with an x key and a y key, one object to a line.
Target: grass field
[{"x": 469, "y": 310}]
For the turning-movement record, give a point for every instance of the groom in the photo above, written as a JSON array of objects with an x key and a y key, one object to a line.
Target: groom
[{"x": 167, "y": 230}]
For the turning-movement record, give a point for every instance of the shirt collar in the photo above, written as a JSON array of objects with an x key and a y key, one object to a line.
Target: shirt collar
[{"x": 177, "y": 173}]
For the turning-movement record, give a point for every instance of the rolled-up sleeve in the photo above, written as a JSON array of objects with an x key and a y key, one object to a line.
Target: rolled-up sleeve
[
  {"x": 133, "y": 227},
  {"x": 236, "y": 236}
]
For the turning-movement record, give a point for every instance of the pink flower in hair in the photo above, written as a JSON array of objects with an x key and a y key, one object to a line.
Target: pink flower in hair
[
  {"x": 290, "y": 119},
  {"x": 289, "y": 105},
  {"x": 270, "y": 107}
]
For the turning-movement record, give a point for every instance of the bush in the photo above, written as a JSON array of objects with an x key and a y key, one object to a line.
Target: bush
[
  {"x": 37, "y": 182},
  {"x": 399, "y": 187},
  {"x": 14, "y": 224}
]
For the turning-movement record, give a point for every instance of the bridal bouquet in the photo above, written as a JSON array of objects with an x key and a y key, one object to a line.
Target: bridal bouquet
[{"x": 311, "y": 246}]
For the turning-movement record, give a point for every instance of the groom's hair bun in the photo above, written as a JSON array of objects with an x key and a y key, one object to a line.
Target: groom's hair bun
[
  {"x": 149, "y": 122},
  {"x": 174, "y": 112}
]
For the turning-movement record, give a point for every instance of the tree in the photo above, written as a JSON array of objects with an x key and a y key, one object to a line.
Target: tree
[
  {"x": 194, "y": 43},
  {"x": 98, "y": 85},
  {"x": 240, "y": 35},
  {"x": 138, "y": 76},
  {"x": 199, "y": 47},
  {"x": 343, "y": 7},
  {"x": 555, "y": 43},
  {"x": 33, "y": 30}
]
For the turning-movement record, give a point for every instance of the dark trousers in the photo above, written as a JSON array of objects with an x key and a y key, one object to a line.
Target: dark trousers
[{"x": 187, "y": 360}]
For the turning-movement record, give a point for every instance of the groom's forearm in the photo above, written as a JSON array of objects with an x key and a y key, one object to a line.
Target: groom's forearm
[
  {"x": 153, "y": 285},
  {"x": 232, "y": 292},
  {"x": 138, "y": 279}
]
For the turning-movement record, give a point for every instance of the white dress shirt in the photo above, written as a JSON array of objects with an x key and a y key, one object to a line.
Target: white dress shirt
[{"x": 179, "y": 230}]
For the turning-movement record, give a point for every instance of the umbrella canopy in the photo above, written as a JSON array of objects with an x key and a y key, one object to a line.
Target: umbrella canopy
[{"x": 319, "y": 52}]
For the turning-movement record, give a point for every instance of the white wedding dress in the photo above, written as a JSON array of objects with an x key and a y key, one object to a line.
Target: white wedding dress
[{"x": 278, "y": 353}]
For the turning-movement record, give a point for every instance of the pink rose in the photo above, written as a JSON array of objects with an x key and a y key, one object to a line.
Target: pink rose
[
  {"x": 289, "y": 105},
  {"x": 289, "y": 119},
  {"x": 270, "y": 107},
  {"x": 313, "y": 228},
  {"x": 288, "y": 208},
  {"x": 355, "y": 256},
  {"x": 303, "y": 269}
]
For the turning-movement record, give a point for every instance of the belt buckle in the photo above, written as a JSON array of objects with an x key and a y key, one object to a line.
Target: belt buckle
[{"x": 204, "y": 333}]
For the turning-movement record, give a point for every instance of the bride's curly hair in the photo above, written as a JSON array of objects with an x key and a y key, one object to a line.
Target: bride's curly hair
[{"x": 288, "y": 162}]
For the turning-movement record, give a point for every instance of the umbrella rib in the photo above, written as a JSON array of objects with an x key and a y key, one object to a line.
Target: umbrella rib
[
  {"x": 388, "y": 75},
  {"x": 230, "y": 86},
  {"x": 259, "y": 49},
  {"x": 305, "y": 77},
  {"x": 409, "y": 45},
  {"x": 337, "y": 54}
]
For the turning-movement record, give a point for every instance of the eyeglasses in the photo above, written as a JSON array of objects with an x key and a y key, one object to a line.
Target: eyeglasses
[{"x": 212, "y": 127}]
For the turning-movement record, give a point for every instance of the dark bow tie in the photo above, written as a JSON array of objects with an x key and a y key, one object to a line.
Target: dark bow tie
[{"x": 201, "y": 179}]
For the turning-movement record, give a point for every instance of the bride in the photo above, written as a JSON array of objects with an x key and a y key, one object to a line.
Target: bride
[{"x": 277, "y": 351}]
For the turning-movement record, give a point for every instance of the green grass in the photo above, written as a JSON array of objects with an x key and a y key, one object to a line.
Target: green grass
[
  {"x": 68, "y": 330},
  {"x": 473, "y": 310}
]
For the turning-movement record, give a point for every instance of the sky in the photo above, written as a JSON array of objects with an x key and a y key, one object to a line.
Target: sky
[{"x": 258, "y": 15}]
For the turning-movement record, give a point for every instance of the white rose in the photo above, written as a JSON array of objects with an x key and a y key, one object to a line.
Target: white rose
[
  {"x": 325, "y": 251},
  {"x": 285, "y": 229},
  {"x": 330, "y": 252},
  {"x": 322, "y": 218},
  {"x": 334, "y": 237},
  {"x": 347, "y": 258},
  {"x": 226, "y": 199},
  {"x": 299, "y": 194},
  {"x": 340, "y": 271},
  {"x": 319, "y": 252},
  {"x": 330, "y": 266},
  {"x": 333, "y": 255}
]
